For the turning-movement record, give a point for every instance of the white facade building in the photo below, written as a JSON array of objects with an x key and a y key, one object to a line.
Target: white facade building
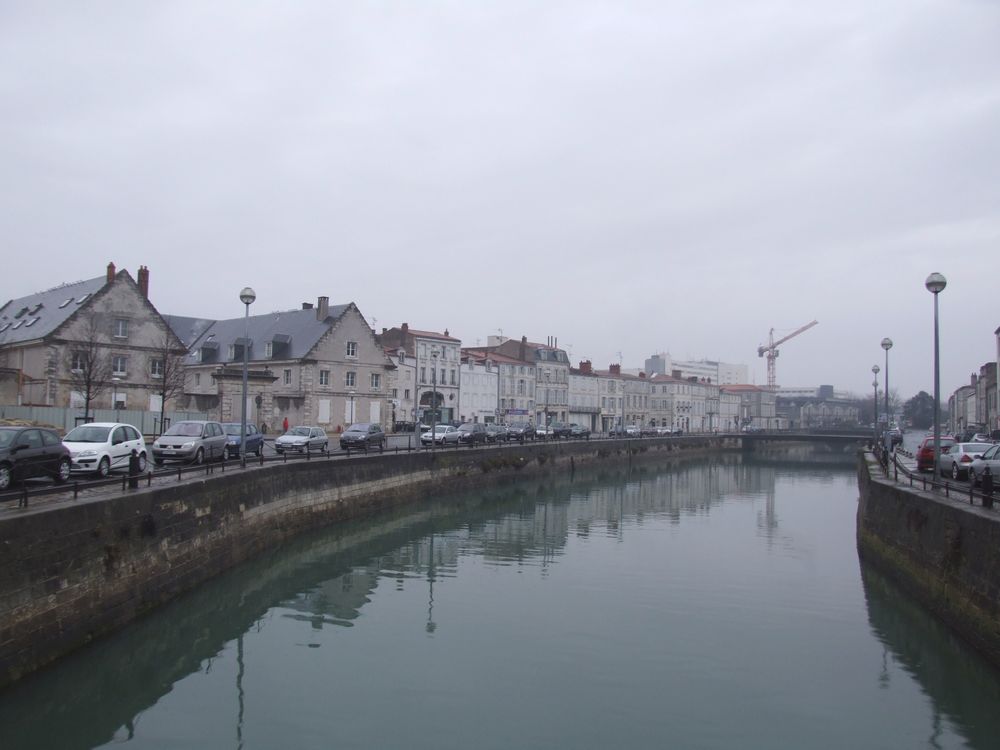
[{"x": 477, "y": 401}]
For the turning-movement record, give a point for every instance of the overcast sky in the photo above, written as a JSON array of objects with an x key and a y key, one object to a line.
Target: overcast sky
[{"x": 630, "y": 177}]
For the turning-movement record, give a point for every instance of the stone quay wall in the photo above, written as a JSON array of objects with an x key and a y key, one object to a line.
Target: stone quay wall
[
  {"x": 71, "y": 571},
  {"x": 944, "y": 552}
]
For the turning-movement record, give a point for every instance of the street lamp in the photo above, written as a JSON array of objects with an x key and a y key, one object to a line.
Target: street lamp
[
  {"x": 887, "y": 345},
  {"x": 875, "y": 371},
  {"x": 434, "y": 388},
  {"x": 247, "y": 296},
  {"x": 935, "y": 284}
]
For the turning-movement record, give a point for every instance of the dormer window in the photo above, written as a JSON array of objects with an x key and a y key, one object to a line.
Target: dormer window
[{"x": 268, "y": 350}]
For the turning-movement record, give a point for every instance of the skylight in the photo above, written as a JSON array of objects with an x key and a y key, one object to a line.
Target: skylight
[{"x": 65, "y": 303}]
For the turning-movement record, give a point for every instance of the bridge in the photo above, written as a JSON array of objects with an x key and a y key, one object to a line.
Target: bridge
[{"x": 839, "y": 438}]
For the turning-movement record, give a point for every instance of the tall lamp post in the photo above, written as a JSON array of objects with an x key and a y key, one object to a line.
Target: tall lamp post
[
  {"x": 887, "y": 345},
  {"x": 434, "y": 394},
  {"x": 935, "y": 284},
  {"x": 875, "y": 407},
  {"x": 247, "y": 296}
]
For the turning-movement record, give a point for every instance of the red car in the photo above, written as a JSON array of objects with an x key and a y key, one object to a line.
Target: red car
[{"x": 926, "y": 460}]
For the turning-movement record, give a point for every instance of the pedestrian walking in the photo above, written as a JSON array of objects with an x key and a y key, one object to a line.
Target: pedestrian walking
[{"x": 284, "y": 425}]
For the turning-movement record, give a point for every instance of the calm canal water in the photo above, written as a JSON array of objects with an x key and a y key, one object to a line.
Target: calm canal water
[{"x": 703, "y": 605}]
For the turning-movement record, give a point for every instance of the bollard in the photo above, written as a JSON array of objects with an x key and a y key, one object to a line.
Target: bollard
[
  {"x": 133, "y": 469},
  {"x": 987, "y": 482}
]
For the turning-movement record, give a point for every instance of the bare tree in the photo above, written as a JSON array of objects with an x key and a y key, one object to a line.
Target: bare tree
[
  {"x": 168, "y": 368},
  {"x": 89, "y": 363}
]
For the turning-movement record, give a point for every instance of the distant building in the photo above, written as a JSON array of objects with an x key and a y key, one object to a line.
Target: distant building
[
  {"x": 437, "y": 360},
  {"x": 722, "y": 373}
]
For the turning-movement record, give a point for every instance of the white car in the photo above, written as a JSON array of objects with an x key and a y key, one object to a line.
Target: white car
[
  {"x": 100, "y": 447},
  {"x": 302, "y": 440}
]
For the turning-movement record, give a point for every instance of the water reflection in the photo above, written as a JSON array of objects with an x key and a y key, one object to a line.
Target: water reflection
[
  {"x": 327, "y": 580},
  {"x": 963, "y": 688}
]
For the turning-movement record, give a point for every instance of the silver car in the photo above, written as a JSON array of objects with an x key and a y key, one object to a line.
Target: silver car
[
  {"x": 192, "y": 440},
  {"x": 302, "y": 440},
  {"x": 991, "y": 458},
  {"x": 443, "y": 434},
  {"x": 955, "y": 461}
]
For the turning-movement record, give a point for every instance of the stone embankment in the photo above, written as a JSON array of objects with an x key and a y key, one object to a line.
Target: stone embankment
[
  {"x": 74, "y": 571},
  {"x": 943, "y": 551}
]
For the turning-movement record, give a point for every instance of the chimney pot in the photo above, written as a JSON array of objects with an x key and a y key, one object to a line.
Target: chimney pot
[
  {"x": 144, "y": 281},
  {"x": 111, "y": 272},
  {"x": 322, "y": 308}
]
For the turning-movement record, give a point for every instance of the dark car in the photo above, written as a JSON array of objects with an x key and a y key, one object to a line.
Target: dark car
[
  {"x": 560, "y": 430},
  {"x": 579, "y": 432},
  {"x": 925, "y": 453},
  {"x": 496, "y": 433},
  {"x": 255, "y": 440},
  {"x": 27, "y": 452},
  {"x": 362, "y": 436},
  {"x": 521, "y": 431},
  {"x": 472, "y": 432}
]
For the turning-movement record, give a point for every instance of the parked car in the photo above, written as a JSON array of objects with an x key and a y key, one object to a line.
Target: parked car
[
  {"x": 302, "y": 440},
  {"x": 559, "y": 430},
  {"x": 579, "y": 432},
  {"x": 981, "y": 437},
  {"x": 521, "y": 431},
  {"x": 925, "y": 452},
  {"x": 954, "y": 461},
  {"x": 363, "y": 435},
  {"x": 27, "y": 452},
  {"x": 472, "y": 432},
  {"x": 100, "y": 447},
  {"x": 895, "y": 436},
  {"x": 496, "y": 433},
  {"x": 255, "y": 440},
  {"x": 991, "y": 458},
  {"x": 543, "y": 431},
  {"x": 443, "y": 434},
  {"x": 192, "y": 440},
  {"x": 632, "y": 430},
  {"x": 662, "y": 431}
]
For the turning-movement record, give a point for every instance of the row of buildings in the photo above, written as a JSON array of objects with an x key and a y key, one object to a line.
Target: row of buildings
[
  {"x": 975, "y": 405},
  {"x": 101, "y": 343}
]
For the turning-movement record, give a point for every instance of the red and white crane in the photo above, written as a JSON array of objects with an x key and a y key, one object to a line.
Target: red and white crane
[{"x": 771, "y": 350}]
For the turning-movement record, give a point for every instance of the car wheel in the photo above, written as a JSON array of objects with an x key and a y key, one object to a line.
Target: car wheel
[
  {"x": 199, "y": 457},
  {"x": 142, "y": 463},
  {"x": 5, "y": 477},
  {"x": 62, "y": 473},
  {"x": 103, "y": 468}
]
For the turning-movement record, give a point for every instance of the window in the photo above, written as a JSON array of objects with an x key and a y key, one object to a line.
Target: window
[
  {"x": 442, "y": 381},
  {"x": 269, "y": 350},
  {"x": 395, "y": 393},
  {"x": 423, "y": 374},
  {"x": 453, "y": 381},
  {"x": 197, "y": 378},
  {"x": 376, "y": 381},
  {"x": 406, "y": 393},
  {"x": 121, "y": 328},
  {"x": 324, "y": 377},
  {"x": 350, "y": 379},
  {"x": 232, "y": 352},
  {"x": 402, "y": 357},
  {"x": 119, "y": 365},
  {"x": 78, "y": 362},
  {"x": 287, "y": 379},
  {"x": 156, "y": 368},
  {"x": 352, "y": 348}
]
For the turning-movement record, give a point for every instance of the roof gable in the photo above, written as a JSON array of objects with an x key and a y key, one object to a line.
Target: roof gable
[{"x": 38, "y": 315}]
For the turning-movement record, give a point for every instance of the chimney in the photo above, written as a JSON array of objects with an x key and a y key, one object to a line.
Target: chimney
[
  {"x": 111, "y": 272},
  {"x": 322, "y": 308},
  {"x": 642, "y": 376},
  {"x": 524, "y": 348},
  {"x": 307, "y": 305},
  {"x": 586, "y": 367},
  {"x": 144, "y": 281},
  {"x": 615, "y": 369},
  {"x": 675, "y": 374},
  {"x": 384, "y": 330},
  {"x": 446, "y": 332},
  {"x": 974, "y": 380}
]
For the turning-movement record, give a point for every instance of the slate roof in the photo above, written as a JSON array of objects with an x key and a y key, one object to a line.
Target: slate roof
[
  {"x": 298, "y": 328},
  {"x": 37, "y": 315}
]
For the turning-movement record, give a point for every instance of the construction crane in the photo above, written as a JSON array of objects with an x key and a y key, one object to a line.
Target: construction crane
[{"x": 771, "y": 350}]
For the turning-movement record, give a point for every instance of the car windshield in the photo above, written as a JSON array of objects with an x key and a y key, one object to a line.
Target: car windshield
[
  {"x": 234, "y": 429},
  {"x": 185, "y": 429},
  {"x": 466, "y": 428},
  {"x": 6, "y": 437},
  {"x": 443, "y": 428},
  {"x": 87, "y": 434},
  {"x": 359, "y": 427},
  {"x": 301, "y": 431}
]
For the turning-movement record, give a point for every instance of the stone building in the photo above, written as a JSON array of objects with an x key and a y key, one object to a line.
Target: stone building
[
  {"x": 319, "y": 366},
  {"x": 437, "y": 365},
  {"x": 585, "y": 396},
  {"x": 478, "y": 400},
  {"x": 101, "y": 337}
]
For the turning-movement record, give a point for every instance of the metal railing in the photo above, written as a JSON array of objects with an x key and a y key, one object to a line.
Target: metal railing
[{"x": 893, "y": 468}]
